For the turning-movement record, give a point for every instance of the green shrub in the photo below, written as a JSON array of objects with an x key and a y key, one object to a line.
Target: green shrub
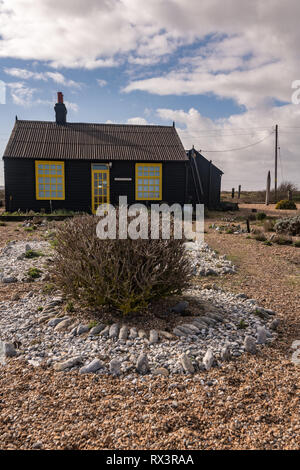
[
  {"x": 268, "y": 243},
  {"x": 290, "y": 225},
  {"x": 242, "y": 325},
  {"x": 33, "y": 254},
  {"x": 48, "y": 288},
  {"x": 286, "y": 204},
  {"x": 297, "y": 243},
  {"x": 125, "y": 275},
  {"x": 34, "y": 273},
  {"x": 261, "y": 216}
]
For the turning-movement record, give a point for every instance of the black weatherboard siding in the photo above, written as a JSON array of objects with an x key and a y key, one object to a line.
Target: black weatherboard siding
[
  {"x": 20, "y": 184},
  {"x": 208, "y": 189}
]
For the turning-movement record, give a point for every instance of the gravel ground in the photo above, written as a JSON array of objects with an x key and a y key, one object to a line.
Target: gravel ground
[{"x": 252, "y": 402}]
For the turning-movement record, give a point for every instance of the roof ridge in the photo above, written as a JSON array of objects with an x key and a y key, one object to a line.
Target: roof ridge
[{"x": 19, "y": 121}]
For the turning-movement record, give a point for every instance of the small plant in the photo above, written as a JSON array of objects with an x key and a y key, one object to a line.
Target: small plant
[
  {"x": 33, "y": 254},
  {"x": 290, "y": 225},
  {"x": 261, "y": 216},
  {"x": 297, "y": 243},
  {"x": 48, "y": 288},
  {"x": 34, "y": 273},
  {"x": 3, "y": 224},
  {"x": 282, "y": 240},
  {"x": 285, "y": 204},
  {"x": 229, "y": 231},
  {"x": 268, "y": 243},
  {"x": 92, "y": 324},
  {"x": 242, "y": 325},
  {"x": 69, "y": 307},
  {"x": 40, "y": 309},
  {"x": 28, "y": 229}
]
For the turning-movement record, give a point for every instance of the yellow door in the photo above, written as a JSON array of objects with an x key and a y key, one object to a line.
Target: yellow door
[{"x": 100, "y": 188}]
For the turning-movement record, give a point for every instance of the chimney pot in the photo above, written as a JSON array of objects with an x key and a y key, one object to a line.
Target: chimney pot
[
  {"x": 60, "y": 97},
  {"x": 60, "y": 109}
]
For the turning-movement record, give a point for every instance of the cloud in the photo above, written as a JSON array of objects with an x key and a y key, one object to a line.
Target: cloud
[
  {"x": 137, "y": 120},
  {"x": 56, "y": 77},
  {"x": 101, "y": 82},
  {"x": 21, "y": 94},
  {"x": 218, "y": 140}
]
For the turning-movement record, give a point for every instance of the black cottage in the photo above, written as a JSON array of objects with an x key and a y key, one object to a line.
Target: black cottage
[{"x": 78, "y": 166}]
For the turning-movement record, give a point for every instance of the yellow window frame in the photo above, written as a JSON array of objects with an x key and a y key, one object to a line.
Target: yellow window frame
[
  {"x": 147, "y": 177},
  {"x": 93, "y": 187},
  {"x": 40, "y": 173}
]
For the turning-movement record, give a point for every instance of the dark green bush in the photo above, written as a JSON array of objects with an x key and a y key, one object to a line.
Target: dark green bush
[
  {"x": 125, "y": 275},
  {"x": 286, "y": 204},
  {"x": 261, "y": 216}
]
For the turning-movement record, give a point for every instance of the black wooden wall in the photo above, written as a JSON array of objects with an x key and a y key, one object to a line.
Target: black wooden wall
[
  {"x": 19, "y": 175},
  {"x": 211, "y": 181}
]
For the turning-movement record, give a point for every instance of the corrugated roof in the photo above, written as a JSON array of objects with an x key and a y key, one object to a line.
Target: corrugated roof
[{"x": 48, "y": 140}]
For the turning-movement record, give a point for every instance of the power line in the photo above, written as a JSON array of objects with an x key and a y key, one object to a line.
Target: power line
[{"x": 239, "y": 148}]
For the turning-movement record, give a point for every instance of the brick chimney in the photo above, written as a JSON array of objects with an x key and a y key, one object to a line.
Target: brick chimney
[{"x": 60, "y": 109}]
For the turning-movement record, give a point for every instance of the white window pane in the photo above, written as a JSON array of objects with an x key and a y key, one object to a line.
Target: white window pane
[
  {"x": 59, "y": 194},
  {"x": 140, "y": 194},
  {"x": 41, "y": 193},
  {"x": 58, "y": 180},
  {"x": 59, "y": 187},
  {"x": 47, "y": 193},
  {"x": 47, "y": 187},
  {"x": 47, "y": 180},
  {"x": 41, "y": 179}
]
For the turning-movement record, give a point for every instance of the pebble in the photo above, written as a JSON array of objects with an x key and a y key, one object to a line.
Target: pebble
[
  {"x": 75, "y": 361},
  {"x": 153, "y": 337},
  {"x": 208, "y": 359},
  {"x": 261, "y": 335},
  {"x": 92, "y": 366},
  {"x": 250, "y": 345},
  {"x": 115, "y": 367},
  {"x": 142, "y": 364},
  {"x": 7, "y": 349},
  {"x": 187, "y": 364},
  {"x": 96, "y": 329}
]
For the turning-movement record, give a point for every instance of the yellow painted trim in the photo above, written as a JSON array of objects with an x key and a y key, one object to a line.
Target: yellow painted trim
[
  {"x": 93, "y": 187},
  {"x": 137, "y": 166},
  {"x": 37, "y": 175}
]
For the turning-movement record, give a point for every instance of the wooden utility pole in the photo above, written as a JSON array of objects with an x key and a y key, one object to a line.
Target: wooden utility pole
[
  {"x": 239, "y": 193},
  {"x": 268, "y": 189},
  {"x": 276, "y": 158}
]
